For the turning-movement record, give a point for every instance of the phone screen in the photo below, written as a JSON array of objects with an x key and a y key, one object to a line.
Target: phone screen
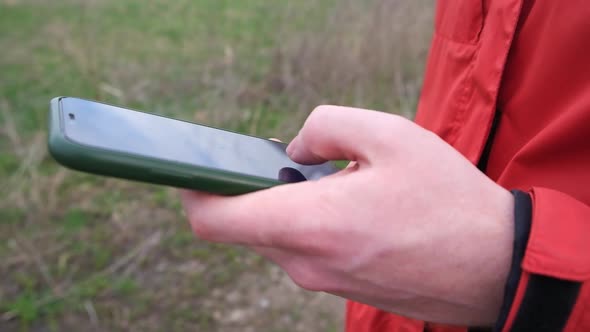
[{"x": 123, "y": 130}]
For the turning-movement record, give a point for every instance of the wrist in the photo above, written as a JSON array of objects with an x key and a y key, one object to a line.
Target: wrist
[
  {"x": 496, "y": 257},
  {"x": 487, "y": 248}
]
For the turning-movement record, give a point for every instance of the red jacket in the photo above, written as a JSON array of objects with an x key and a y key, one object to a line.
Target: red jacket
[{"x": 508, "y": 85}]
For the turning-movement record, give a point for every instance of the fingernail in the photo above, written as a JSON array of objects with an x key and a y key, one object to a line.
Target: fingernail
[{"x": 292, "y": 146}]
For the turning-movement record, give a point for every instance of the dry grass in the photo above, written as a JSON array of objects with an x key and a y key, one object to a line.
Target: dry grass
[
  {"x": 82, "y": 252},
  {"x": 365, "y": 56}
]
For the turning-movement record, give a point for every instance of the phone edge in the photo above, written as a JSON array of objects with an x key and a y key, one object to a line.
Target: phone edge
[{"x": 139, "y": 168}]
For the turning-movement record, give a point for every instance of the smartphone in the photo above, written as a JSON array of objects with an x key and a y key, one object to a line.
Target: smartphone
[{"x": 108, "y": 140}]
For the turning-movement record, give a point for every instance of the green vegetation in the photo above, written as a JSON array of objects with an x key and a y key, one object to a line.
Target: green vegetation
[{"x": 78, "y": 250}]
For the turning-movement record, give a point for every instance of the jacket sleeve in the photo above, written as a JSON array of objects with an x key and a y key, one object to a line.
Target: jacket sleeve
[{"x": 548, "y": 288}]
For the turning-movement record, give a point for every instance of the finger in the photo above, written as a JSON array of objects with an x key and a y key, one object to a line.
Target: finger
[
  {"x": 336, "y": 133},
  {"x": 264, "y": 218},
  {"x": 275, "y": 255}
]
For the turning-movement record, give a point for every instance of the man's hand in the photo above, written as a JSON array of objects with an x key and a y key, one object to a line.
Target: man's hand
[{"x": 412, "y": 227}]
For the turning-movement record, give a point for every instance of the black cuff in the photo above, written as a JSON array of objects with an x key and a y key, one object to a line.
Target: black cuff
[
  {"x": 547, "y": 302},
  {"x": 523, "y": 208}
]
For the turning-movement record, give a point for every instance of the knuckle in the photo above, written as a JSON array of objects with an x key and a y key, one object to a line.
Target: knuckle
[
  {"x": 397, "y": 122},
  {"x": 401, "y": 124},
  {"x": 199, "y": 225},
  {"x": 321, "y": 109},
  {"x": 202, "y": 231},
  {"x": 316, "y": 123},
  {"x": 304, "y": 277},
  {"x": 397, "y": 132},
  {"x": 319, "y": 115}
]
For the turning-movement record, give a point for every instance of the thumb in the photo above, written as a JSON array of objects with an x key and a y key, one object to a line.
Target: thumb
[{"x": 337, "y": 133}]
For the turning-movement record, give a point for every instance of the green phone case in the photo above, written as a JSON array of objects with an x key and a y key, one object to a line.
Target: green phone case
[{"x": 135, "y": 167}]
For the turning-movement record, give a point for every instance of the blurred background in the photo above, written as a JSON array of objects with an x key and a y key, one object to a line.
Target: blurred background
[{"x": 86, "y": 253}]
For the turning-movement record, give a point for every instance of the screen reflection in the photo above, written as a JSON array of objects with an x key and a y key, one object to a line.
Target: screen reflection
[
  {"x": 114, "y": 128},
  {"x": 291, "y": 175}
]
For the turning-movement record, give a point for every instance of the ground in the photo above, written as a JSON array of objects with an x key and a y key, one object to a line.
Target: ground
[{"x": 81, "y": 252}]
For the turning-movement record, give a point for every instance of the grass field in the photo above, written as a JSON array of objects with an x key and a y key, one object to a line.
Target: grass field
[{"x": 80, "y": 252}]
